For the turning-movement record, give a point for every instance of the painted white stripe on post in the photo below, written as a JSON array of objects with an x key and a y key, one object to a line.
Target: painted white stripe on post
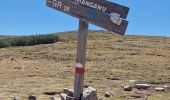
[{"x": 79, "y": 65}]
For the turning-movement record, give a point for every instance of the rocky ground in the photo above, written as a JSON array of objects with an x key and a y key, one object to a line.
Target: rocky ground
[{"x": 112, "y": 63}]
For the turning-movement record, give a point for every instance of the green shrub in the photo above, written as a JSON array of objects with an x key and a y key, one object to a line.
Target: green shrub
[
  {"x": 28, "y": 40},
  {"x": 4, "y": 43}
]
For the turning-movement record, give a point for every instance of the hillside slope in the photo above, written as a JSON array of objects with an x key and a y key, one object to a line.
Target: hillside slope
[{"x": 35, "y": 70}]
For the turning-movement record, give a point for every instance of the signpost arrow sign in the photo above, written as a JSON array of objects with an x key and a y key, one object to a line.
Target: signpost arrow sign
[
  {"x": 108, "y": 15},
  {"x": 112, "y": 22},
  {"x": 104, "y": 6}
]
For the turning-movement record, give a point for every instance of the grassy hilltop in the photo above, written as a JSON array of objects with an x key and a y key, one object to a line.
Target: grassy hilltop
[{"x": 34, "y": 70}]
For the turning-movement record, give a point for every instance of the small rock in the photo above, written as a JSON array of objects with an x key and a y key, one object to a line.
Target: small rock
[
  {"x": 107, "y": 94},
  {"x": 12, "y": 58},
  {"x": 69, "y": 98},
  {"x": 114, "y": 78},
  {"x": 145, "y": 97},
  {"x": 17, "y": 98},
  {"x": 159, "y": 89},
  {"x": 91, "y": 81},
  {"x": 136, "y": 96},
  {"x": 31, "y": 97},
  {"x": 53, "y": 98},
  {"x": 18, "y": 68},
  {"x": 165, "y": 86},
  {"x": 68, "y": 66},
  {"x": 68, "y": 92},
  {"x": 86, "y": 85},
  {"x": 89, "y": 94},
  {"x": 132, "y": 81},
  {"x": 50, "y": 93},
  {"x": 142, "y": 86},
  {"x": 63, "y": 96},
  {"x": 127, "y": 88}
]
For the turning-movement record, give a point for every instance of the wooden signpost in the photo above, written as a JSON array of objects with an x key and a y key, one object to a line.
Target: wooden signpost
[
  {"x": 113, "y": 21},
  {"x": 108, "y": 15},
  {"x": 104, "y": 6}
]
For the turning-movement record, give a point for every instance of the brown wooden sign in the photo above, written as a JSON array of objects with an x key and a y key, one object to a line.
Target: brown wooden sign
[
  {"x": 104, "y": 6},
  {"x": 112, "y": 21}
]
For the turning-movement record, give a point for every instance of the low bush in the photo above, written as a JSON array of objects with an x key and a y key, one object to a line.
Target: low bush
[{"x": 28, "y": 40}]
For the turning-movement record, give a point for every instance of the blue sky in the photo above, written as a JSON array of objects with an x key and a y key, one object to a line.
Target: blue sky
[{"x": 26, "y": 17}]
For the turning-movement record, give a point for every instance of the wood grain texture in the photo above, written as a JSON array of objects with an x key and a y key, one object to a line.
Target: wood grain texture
[
  {"x": 90, "y": 15},
  {"x": 111, "y": 7},
  {"x": 81, "y": 58}
]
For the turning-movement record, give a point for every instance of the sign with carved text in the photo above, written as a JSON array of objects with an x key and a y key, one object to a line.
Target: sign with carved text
[
  {"x": 102, "y": 13},
  {"x": 104, "y": 6}
]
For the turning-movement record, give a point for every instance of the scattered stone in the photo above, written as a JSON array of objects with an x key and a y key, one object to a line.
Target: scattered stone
[
  {"x": 50, "y": 93},
  {"x": 132, "y": 81},
  {"x": 69, "y": 98},
  {"x": 142, "y": 86},
  {"x": 127, "y": 88},
  {"x": 107, "y": 94},
  {"x": 90, "y": 94},
  {"x": 86, "y": 85},
  {"x": 53, "y": 98},
  {"x": 63, "y": 96},
  {"x": 68, "y": 92},
  {"x": 114, "y": 78},
  {"x": 12, "y": 58},
  {"x": 165, "y": 86},
  {"x": 136, "y": 96},
  {"x": 145, "y": 97},
  {"x": 31, "y": 97},
  {"x": 68, "y": 66},
  {"x": 159, "y": 89},
  {"x": 36, "y": 68},
  {"x": 18, "y": 67},
  {"x": 119, "y": 40},
  {"x": 17, "y": 98}
]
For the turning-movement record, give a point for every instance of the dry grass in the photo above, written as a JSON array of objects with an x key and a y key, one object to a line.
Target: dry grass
[{"x": 50, "y": 68}]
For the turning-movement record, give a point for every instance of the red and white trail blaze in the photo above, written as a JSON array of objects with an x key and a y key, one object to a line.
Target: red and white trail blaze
[{"x": 79, "y": 69}]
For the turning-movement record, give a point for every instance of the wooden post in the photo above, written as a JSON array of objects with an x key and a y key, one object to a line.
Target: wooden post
[
  {"x": 110, "y": 16},
  {"x": 81, "y": 59}
]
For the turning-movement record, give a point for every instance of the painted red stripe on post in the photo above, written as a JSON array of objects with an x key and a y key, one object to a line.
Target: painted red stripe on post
[{"x": 80, "y": 70}]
